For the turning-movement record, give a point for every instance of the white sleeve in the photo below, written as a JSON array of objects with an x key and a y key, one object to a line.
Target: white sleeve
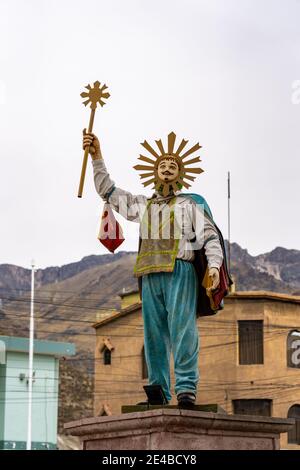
[
  {"x": 212, "y": 245},
  {"x": 128, "y": 205},
  {"x": 208, "y": 237}
]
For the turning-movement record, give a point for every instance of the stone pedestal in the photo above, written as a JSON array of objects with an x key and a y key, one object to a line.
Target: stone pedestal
[
  {"x": 133, "y": 408},
  {"x": 177, "y": 429}
]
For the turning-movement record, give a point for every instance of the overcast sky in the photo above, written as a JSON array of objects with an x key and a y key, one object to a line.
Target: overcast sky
[{"x": 220, "y": 72}]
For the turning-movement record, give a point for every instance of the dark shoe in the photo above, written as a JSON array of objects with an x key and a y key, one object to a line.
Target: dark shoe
[{"x": 186, "y": 400}]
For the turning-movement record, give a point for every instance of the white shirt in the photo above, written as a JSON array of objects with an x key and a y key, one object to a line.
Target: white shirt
[{"x": 189, "y": 215}]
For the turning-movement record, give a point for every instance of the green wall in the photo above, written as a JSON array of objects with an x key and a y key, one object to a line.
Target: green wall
[
  {"x": 44, "y": 404},
  {"x": 2, "y": 399}
]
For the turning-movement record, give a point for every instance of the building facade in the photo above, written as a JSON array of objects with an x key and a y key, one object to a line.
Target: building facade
[
  {"x": 249, "y": 358},
  {"x": 14, "y": 392}
]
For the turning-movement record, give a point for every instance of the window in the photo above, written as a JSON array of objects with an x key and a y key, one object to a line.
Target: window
[
  {"x": 106, "y": 350},
  {"x": 258, "y": 407},
  {"x": 144, "y": 365},
  {"x": 294, "y": 433},
  {"x": 293, "y": 349},
  {"x": 251, "y": 348},
  {"x": 106, "y": 357}
]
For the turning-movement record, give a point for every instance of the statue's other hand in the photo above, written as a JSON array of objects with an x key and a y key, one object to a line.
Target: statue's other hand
[
  {"x": 91, "y": 140},
  {"x": 214, "y": 274}
]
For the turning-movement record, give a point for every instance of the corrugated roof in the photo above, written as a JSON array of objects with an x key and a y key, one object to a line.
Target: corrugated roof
[
  {"x": 268, "y": 295},
  {"x": 50, "y": 348}
]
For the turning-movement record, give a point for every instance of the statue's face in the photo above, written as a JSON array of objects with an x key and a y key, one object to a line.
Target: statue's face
[{"x": 168, "y": 170}]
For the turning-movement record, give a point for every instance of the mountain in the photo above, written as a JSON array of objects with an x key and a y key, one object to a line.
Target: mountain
[
  {"x": 19, "y": 278},
  {"x": 70, "y": 298},
  {"x": 278, "y": 270}
]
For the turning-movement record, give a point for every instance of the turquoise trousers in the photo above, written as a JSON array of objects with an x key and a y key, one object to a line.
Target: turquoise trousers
[{"x": 169, "y": 313}]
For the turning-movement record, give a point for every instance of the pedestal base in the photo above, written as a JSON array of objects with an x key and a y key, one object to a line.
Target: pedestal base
[
  {"x": 214, "y": 408},
  {"x": 175, "y": 429}
]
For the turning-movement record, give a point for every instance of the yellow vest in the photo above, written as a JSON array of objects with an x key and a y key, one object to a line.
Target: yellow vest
[{"x": 157, "y": 254}]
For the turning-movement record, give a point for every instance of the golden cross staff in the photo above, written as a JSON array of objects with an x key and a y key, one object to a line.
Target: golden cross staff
[{"x": 95, "y": 95}]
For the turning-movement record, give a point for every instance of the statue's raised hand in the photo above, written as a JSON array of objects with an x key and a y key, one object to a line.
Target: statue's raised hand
[{"x": 91, "y": 140}]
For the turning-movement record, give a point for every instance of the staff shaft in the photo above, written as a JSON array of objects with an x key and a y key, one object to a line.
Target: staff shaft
[{"x": 86, "y": 154}]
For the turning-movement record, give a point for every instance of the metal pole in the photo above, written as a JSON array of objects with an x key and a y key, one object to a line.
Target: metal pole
[
  {"x": 229, "y": 260},
  {"x": 30, "y": 371}
]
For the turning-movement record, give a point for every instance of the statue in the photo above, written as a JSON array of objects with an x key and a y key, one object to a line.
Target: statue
[{"x": 181, "y": 263}]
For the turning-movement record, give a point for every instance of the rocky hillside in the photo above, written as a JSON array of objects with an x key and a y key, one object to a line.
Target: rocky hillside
[
  {"x": 278, "y": 270},
  {"x": 19, "y": 278}
]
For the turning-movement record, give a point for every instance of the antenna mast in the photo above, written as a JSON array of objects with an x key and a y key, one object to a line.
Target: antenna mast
[
  {"x": 30, "y": 374},
  {"x": 228, "y": 197}
]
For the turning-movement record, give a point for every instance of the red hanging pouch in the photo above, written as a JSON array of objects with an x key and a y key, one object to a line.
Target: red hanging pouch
[{"x": 110, "y": 233}]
